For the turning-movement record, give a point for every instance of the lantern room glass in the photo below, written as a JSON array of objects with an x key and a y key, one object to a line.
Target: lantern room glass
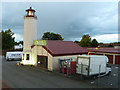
[{"x": 30, "y": 13}]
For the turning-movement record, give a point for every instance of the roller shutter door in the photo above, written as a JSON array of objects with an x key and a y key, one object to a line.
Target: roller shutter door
[
  {"x": 110, "y": 57},
  {"x": 117, "y": 59}
]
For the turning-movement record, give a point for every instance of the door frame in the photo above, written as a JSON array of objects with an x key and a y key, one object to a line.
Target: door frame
[{"x": 46, "y": 60}]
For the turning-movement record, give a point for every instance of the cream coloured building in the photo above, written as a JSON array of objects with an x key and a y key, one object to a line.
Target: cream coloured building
[{"x": 48, "y": 56}]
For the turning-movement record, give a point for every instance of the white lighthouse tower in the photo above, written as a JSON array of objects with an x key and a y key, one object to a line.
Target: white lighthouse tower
[{"x": 30, "y": 34}]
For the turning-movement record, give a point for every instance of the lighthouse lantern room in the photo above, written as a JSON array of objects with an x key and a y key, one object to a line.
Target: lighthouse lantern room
[{"x": 30, "y": 12}]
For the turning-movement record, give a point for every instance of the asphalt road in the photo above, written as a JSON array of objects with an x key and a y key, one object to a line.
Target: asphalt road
[
  {"x": 110, "y": 81},
  {"x": 34, "y": 77}
]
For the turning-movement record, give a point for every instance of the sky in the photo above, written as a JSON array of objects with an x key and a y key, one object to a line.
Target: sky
[{"x": 70, "y": 19}]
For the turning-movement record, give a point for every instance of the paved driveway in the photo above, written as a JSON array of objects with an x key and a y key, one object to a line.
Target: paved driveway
[{"x": 34, "y": 77}]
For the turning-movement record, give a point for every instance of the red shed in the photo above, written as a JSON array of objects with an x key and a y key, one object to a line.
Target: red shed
[{"x": 113, "y": 54}]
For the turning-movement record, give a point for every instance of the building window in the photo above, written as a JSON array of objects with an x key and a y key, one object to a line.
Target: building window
[{"x": 27, "y": 56}]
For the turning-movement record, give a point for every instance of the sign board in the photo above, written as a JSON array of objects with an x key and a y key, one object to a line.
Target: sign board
[{"x": 39, "y": 42}]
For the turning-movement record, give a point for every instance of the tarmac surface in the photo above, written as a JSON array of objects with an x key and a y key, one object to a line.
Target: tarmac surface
[{"x": 15, "y": 76}]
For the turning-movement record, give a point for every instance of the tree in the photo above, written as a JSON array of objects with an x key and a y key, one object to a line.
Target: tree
[
  {"x": 116, "y": 42},
  {"x": 85, "y": 41},
  {"x": 77, "y": 42},
  {"x": 20, "y": 42},
  {"x": 52, "y": 36},
  {"x": 7, "y": 39},
  {"x": 110, "y": 45},
  {"x": 94, "y": 43}
]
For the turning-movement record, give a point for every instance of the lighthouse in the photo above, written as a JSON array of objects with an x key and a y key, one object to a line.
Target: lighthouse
[{"x": 30, "y": 34}]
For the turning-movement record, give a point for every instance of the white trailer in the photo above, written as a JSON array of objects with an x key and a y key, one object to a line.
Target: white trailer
[
  {"x": 13, "y": 55},
  {"x": 89, "y": 65}
]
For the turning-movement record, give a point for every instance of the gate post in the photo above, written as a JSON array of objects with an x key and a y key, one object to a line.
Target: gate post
[{"x": 81, "y": 70}]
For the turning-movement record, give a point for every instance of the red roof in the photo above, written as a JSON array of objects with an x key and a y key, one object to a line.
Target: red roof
[
  {"x": 59, "y": 48},
  {"x": 105, "y": 50}
]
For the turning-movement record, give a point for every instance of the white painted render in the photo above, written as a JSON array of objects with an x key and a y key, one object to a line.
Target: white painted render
[
  {"x": 105, "y": 53},
  {"x": 27, "y": 62},
  {"x": 113, "y": 59},
  {"x": 56, "y": 59},
  {"x": 117, "y": 47},
  {"x": 39, "y": 50},
  {"x": 30, "y": 32}
]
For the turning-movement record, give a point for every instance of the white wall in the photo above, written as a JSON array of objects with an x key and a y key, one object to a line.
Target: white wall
[
  {"x": 27, "y": 62},
  {"x": 56, "y": 59},
  {"x": 30, "y": 32},
  {"x": 39, "y": 50}
]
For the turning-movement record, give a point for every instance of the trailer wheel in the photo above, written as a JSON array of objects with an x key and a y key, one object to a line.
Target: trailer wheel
[{"x": 109, "y": 72}]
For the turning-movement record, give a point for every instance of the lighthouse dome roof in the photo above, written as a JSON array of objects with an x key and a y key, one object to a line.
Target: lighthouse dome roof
[{"x": 30, "y": 9}]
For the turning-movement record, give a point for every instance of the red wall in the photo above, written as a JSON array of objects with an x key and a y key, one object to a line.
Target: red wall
[
  {"x": 110, "y": 57},
  {"x": 71, "y": 69},
  {"x": 117, "y": 59}
]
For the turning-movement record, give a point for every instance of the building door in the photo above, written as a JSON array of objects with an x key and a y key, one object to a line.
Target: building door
[
  {"x": 117, "y": 59},
  {"x": 42, "y": 61}
]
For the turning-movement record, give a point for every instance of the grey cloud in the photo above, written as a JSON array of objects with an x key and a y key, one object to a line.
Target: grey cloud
[{"x": 71, "y": 20}]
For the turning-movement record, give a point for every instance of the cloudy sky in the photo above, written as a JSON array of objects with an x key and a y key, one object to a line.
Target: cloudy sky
[{"x": 70, "y": 19}]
